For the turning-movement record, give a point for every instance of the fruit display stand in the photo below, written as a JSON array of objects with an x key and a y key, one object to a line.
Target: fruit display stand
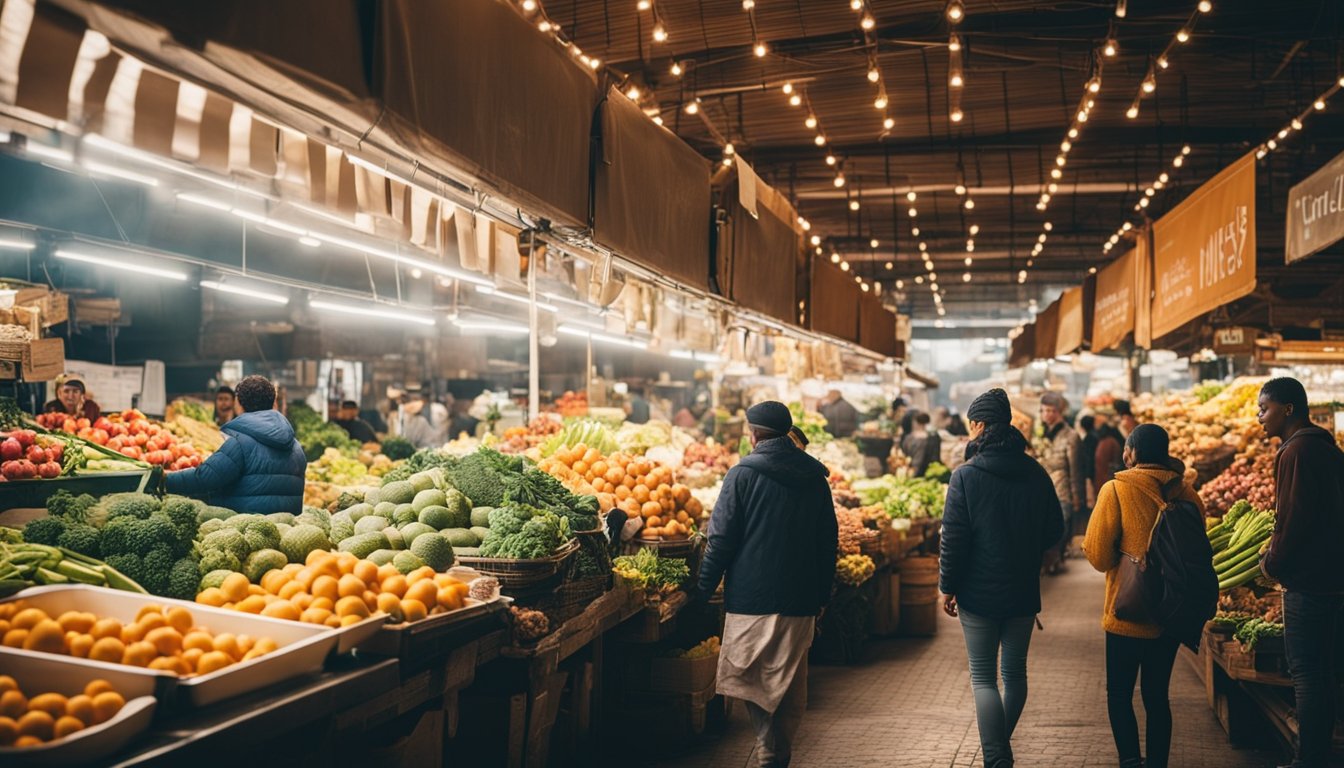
[
  {"x": 33, "y": 494},
  {"x": 1248, "y": 691}
]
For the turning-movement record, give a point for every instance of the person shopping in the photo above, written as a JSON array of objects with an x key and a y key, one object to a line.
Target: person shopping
[
  {"x": 1001, "y": 514},
  {"x": 1060, "y": 452},
  {"x": 1303, "y": 556},
  {"x": 1122, "y": 524},
  {"x": 772, "y": 540}
]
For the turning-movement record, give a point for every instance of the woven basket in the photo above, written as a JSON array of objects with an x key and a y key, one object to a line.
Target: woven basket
[
  {"x": 13, "y": 350},
  {"x": 519, "y": 574}
]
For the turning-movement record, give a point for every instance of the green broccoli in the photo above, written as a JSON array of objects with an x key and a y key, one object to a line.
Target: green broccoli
[
  {"x": 74, "y": 508},
  {"x": 538, "y": 536},
  {"x": 482, "y": 477},
  {"x": 118, "y": 535},
  {"x": 182, "y": 512},
  {"x": 218, "y": 560},
  {"x": 44, "y": 530},
  {"x": 80, "y": 538},
  {"x": 209, "y": 527},
  {"x": 226, "y": 539},
  {"x": 510, "y": 519},
  {"x": 138, "y": 505},
  {"x": 130, "y": 566},
  {"x": 397, "y": 448},
  {"x": 157, "y": 565},
  {"x": 182, "y": 579},
  {"x": 155, "y": 531},
  {"x": 260, "y": 534}
]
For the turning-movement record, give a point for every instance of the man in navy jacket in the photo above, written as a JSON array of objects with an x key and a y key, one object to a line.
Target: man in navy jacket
[
  {"x": 260, "y": 466},
  {"x": 772, "y": 539}
]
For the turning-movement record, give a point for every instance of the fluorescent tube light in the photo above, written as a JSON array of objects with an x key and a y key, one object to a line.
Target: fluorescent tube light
[
  {"x": 707, "y": 357},
  {"x": 368, "y": 166},
  {"x": 310, "y": 241},
  {"x": 570, "y": 330},
  {"x": 218, "y": 205},
  {"x": 409, "y": 261},
  {"x": 556, "y": 298},
  {"x": 239, "y": 290},
  {"x": 491, "y": 326},
  {"x": 95, "y": 167},
  {"x": 682, "y": 354},
  {"x": 128, "y": 266},
  {"x": 490, "y": 290},
  {"x": 17, "y": 245},
  {"x": 50, "y": 153},
  {"x": 384, "y": 314},
  {"x": 99, "y": 142}
]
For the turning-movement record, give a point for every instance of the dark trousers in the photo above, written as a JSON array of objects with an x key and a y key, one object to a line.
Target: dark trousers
[
  {"x": 1148, "y": 661},
  {"x": 1309, "y": 625}
]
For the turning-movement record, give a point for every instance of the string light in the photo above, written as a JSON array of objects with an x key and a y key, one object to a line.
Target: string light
[
  {"x": 1183, "y": 35},
  {"x": 873, "y": 74},
  {"x": 853, "y": 205},
  {"x": 830, "y": 160},
  {"x": 868, "y": 23},
  {"x": 759, "y": 49},
  {"x": 881, "y": 101},
  {"x": 632, "y": 93},
  {"x": 873, "y": 243},
  {"x": 954, "y": 43},
  {"x": 1205, "y": 6},
  {"x": 856, "y": 5},
  {"x": 1094, "y": 85},
  {"x": 795, "y": 100},
  {"x": 820, "y": 140},
  {"x": 835, "y": 258},
  {"x": 955, "y": 11},
  {"x": 693, "y": 107},
  {"x": 676, "y": 69},
  {"x": 839, "y": 180},
  {"x": 956, "y": 116},
  {"x": 729, "y": 149},
  {"x": 888, "y": 123},
  {"x": 811, "y": 121},
  {"x": 1111, "y": 48},
  {"x": 643, "y": 5},
  {"x": 1149, "y": 83},
  {"x": 747, "y": 5},
  {"x": 529, "y": 5},
  {"x": 911, "y": 196},
  {"x": 659, "y": 33},
  {"x": 1121, "y": 8}
]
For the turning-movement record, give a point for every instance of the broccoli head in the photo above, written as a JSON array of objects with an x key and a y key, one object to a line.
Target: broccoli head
[
  {"x": 130, "y": 566},
  {"x": 478, "y": 476},
  {"x": 397, "y": 448},
  {"x": 228, "y": 540},
  {"x": 155, "y": 532},
  {"x": 182, "y": 579},
  {"x": 44, "y": 530},
  {"x": 508, "y": 520},
  {"x": 261, "y": 533},
  {"x": 157, "y": 566},
  {"x": 81, "y": 538},
  {"x": 182, "y": 511},
  {"x": 139, "y": 505},
  {"x": 218, "y": 560},
  {"x": 74, "y": 508},
  {"x": 209, "y": 527}
]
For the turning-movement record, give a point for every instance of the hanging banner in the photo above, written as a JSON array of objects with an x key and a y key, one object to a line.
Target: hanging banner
[
  {"x": 1069, "y": 335},
  {"x": 1204, "y": 249},
  {"x": 1113, "y": 309},
  {"x": 1315, "y": 212},
  {"x": 1022, "y": 347},
  {"x": 1143, "y": 290},
  {"x": 1047, "y": 330}
]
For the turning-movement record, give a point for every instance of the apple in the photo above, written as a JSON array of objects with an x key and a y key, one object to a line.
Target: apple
[
  {"x": 26, "y": 437},
  {"x": 49, "y": 470},
  {"x": 10, "y": 449},
  {"x": 36, "y": 454}
]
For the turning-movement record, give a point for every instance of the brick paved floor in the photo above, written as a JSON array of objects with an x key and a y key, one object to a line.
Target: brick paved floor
[{"x": 910, "y": 704}]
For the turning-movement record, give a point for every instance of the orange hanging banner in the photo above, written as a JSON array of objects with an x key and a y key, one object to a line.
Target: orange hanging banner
[
  {"x": 1069, "y": 335},
  {"x": 1204, "y": 249},
  {"x": 1113, "y": 309}
]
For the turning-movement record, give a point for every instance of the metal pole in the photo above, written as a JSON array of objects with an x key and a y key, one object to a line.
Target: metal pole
[{"x": 533, "y": 350}]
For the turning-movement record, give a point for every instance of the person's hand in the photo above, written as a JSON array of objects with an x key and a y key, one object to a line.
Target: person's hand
[{"x": 950, "y": 605}]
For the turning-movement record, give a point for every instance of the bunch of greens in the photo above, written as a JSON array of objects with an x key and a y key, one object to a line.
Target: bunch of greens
[
  {"x": 520, "y": 532},
  {"x": 903, "y": 497},
  {"x": 316, "y": 435},
  {"x": 812, "y": 424},
  {"x": 419, "y": 461},
  {"x": 397, "y": 448},
  {"x": 1255, "y": 630},
  {"x": 646, "y": 569},
  {"x": 938, "y": 471},
  {"x": 482, "y": 476}
]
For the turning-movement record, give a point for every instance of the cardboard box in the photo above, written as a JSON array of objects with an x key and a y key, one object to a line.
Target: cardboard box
[
  {"x": 97, "y": 311},
  {"x": 43, "y": 360},
  {"x": 53, "y": 306}
]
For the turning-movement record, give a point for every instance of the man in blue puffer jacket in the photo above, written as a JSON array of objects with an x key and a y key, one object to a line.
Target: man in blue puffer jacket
[{"x": 260, "y": 466}]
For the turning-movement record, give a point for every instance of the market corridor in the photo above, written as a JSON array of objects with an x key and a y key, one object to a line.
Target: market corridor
[{"x": 909, "y": 704}]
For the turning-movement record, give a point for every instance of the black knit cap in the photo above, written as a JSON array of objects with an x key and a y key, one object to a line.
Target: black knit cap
[
  {"x": 991, "y": 408},
  {"x": 771, "y": 416}
]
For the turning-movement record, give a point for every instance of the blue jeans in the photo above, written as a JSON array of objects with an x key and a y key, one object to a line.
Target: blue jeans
[
  {"x": 1309, "y": 625},
  {"x": 996, "y": 713}
]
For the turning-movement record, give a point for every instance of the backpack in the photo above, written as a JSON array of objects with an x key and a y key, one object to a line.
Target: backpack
[{"x": 1174, "y": 585}]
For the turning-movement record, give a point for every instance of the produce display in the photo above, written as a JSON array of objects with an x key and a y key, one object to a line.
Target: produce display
[
  {"x": 25, "y": 455},
  {"x": 1243, "y": 602},
  {"x": 903, "y": 497},
  {"x": 132, "y": 435},
  {"x": 1251, "y": 479},
  {"x": 537, "y": 431},
  {"x": 639, "y": 439},
  {"x": 704, "y": 649},
  {"x": 163, "y": 639},
  {"x": 572, "y": 404},
  {"x": 142, "y": 539},
  {"x": 852, "y": 531},
  {"x": 29, "y": 565},
  {"x": 854, "y": 569},
  {"x": 1203, "y": 422},
  {"x": 340, "y": 469},
  {"x": 812, "y": 424},
  {"x": 317, "y": 435},
  {"x": 336, "y": 590},
  {"x": 1238, "y": 540},
  {"x": 31, "y": 721},
  {"x": 528, "y": 625},
  {"x": 637, "y": 486},
  {"x": 704, "y": 464},
  {"x": 1253, "y": 630},
  {"x": 586, "y": 432},
  {"x": 647, "y": 570}
]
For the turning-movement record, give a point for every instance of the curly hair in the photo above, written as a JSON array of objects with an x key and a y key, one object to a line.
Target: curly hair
[{"x": 255, "y": 393}]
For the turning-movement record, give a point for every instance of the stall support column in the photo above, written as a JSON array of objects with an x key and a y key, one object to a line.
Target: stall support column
[{"x": 533, "y": 353}]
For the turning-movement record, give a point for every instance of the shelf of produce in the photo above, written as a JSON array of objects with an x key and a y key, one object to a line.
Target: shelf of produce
[
  {"x": 245, "y": 726},
  {"x": 655, "y": 622},
  {"x": 32, "y": 494},
  {"x": 1250, "y": 705}
]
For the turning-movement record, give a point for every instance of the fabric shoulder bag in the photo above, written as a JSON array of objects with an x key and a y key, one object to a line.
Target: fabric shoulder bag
[{"x": 1132, "y": 601}]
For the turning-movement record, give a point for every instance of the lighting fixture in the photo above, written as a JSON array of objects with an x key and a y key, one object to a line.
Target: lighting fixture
[
  {"x": 619, "y": 341},
  {"x": 819, "y": 140},
  {"x": 1272, "y": 144},
  {"x": 115, "y": 263},
  {"x": 50, "y": 153},
  {"x": 960, "y": 189},
  {"x": 914, "y": 231},
  {"x": 490, "y": 327},
  {"x": 632, "y": 93},
  {"x": 727, "y": 161},
  {"x": 881, "y": 101},
  {"x": 919, "y": 279},
  {"x": 911, "y": 196},
  {"x": 873, "y": 243},
  {"x": 853, "y": 205},
  {"x": 816, "y": 239},
  {"x": 102, "y": 169},
  {"x": 844, "y": 266},
  {"x": 747, "y": 5},
  {"x": 856, "y": 5},
  {"x": 362, "y": 311},
  {"x": 1149, "y": 83},
  {"x": 969, "y": 203},
  {"x": 913, "y": 213},
  {"x": 889, "y": 265},
  {"x": 968, "y": 261},
  {"x": 955, "y": 81},
  {"x": 643, "y": 5},
  {"x": 1121, "y": 8},
  {"x": 729, "y": 149},
  {"x": 835, "y": 258},
  {"x": 811, "y": 121},
  {"x": 830, "y": 160},
  {"x": 239, "y": 290},
  {"x": 1110, "y": 48},
  {"x": 1319, "y": 105},
  {"x": 1073, "y": 132},
  {"x": 955, "y": 11},
  {"x": 954, "y": 44},
  {"x": 657, "y": 119},
  {"x": 1283, "y": 133},
  {"x": 659, "y": 33},
  {"x": 218, "y": 205},
  {"x": 1296, "y": 124},
  {"x": 795, "y": 100},
  {"x": 933, "y": 276},
  {"x": 868, "y": 22},
  {"x": 1126, "y": 226},
  {"x": 1183, "y": 35},
  {"x": 1132, "y": 112},
  {"x": 692, "y": 107},
  {"x": 839, "y": 180},
  {"x": 889, "y": 123},
  {"x": 1162, "y": 62},
  {"x": 787, "y": 88},
  {"x": 1052, "y": 187},
  {"x": 873, "y": 74},
  {"x": 759, "y": 49},
  {"x": 529, "y": 5},
  {"x": 956, "y": 115},
  {"x": 490, "y": 290},
  {"x": 17, "y": 245},
  {"x": 676, "y": 69},
  {"x": 1094, "y": 85}
]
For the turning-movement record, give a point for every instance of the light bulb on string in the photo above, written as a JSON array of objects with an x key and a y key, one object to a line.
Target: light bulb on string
[
  {"x": 759, "y": 49},
  {"x": 867, "y": 23},
  {"x": 819, "y": 140},
  {"x": 975, "y": 229},
  {"x": 795, "y": 100},
  {"x": 1205, "y": 6},
  {"x": 853, "y": 205},
  {"x": 955, "y": 81},
  {"x": 969, "y": 204},
  {"x": 659, "y": 33},
  {"x": 968, "y": 261},
  {"x": 1185, "y": 150},
  {"x": 632, "y": 93},
  {"x": 1296, "y": 124},
  {"x": 1132, "y": 112},
  {"x": 911, "y": 196},
  {"x": 729, "y": 149},
  {"x": 919, "y": 279},
  {"x": 889, "y": 266},
  {"x": 1082, "y": 115},
  {"x": 643, "y": 5},
  {"x": 888, "y": 123},
  {"x": 960, "y": 189},
  {"x": 874, "y": 75},
  {"x": 1111, "y": 48},
  {"x": 844, "y": 266},
  {"x": 1283, "y": 133},
  {"x": 933, "y": 277},
  {"x": 835, "y": 258},
  {"x": 1065, "y": 145},
  {"x": 1126, "y": 226},
  {"x": 1060, "y": 160},
  {"x": 811, "y": 121},
  {"x": 1259, "y": 154},
  {"x": 912, "y": 212},
  {"x": 816, "y": 240},
  {"x": 966, "y": 277},
  {"x": 954, "y": 43},
  {"x": 956, "y": 115},
  {"x": 727, "y": 161},
  {"x": 1178, "y": 161},
  {"x": 693, "y": 107},
  {"x": 1073, "y": 133},
  {"x": 1272, "y": 144},
  {"x": 1052, "y": 187},
  {"x": 747, "y": 5},
  {"x": 914, "y": 231},
  {"x": 923, "y": 246},
  {"x": 544, "y": 25},
  {"x": 1183, "y": 36},
  {"x": 830, "y": 160},
  {"x": 1149, "y": 83},
  {"x": 1163, "y": 178},
  {"x": 529, "y": 5},
  {"x": 880, "y": 102},
  {"x": 1094, "y": 85},
  {"x": 839, "y": 180},
  {"x": 1162, "y": 62},
  {"x": 970, "y": 246},
  {"x": 856, "y": 5},
  {"x": 873, "y": 243},
  {"x": 787, "y": 88},
  {"x": 676, "y": 69},
  {"x": 1319, "y": 105},
  {"x": 955, "y": 11},
  {"x": 657, "y": 119}
]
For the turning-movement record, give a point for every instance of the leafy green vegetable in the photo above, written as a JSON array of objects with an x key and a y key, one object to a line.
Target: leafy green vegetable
[
  {"x": 903, "y": 498},
  {"x": 398, "y": 448},
  {"x": 646, "y": 568},
  {"x": 1255, "y": 630},
  {"x": 316, "y": 435}
]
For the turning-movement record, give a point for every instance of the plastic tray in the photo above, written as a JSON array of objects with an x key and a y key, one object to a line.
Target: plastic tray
[
  {"x": 48, "y": 674},
  {"x": 303, "y": 648}
]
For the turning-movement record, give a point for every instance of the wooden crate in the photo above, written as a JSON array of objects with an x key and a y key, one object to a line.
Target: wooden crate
[
  {"x": 677, "y": 675},
  {"x": 98, "y": 311},
  {"x": 52, "y": 306},
  {"x": 40, "y": 360}
]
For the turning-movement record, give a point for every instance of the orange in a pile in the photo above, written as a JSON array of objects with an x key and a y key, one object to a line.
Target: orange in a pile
[{"x": 45, "y": 717}]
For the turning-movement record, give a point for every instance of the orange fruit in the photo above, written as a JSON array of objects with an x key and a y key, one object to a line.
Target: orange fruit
[
  {"x": 174, "y": 664},
  {"x": 191, "y": 657},
  {"x": 251, "y": 604},
  {"x": 147, "y": 609},
  {"x": 132, "y": 633},
  {"x": 28, "y": 741},
  {"x": 15, "y": 638},
  {"x": 212, "y": 662},
  {"x": 387, "y": 571},
  {"x": 28, "y": 618},
  {"x": 396, "y": 584},
  {"x": 179, "y": 618},
  {"x": 423, "y": 572},
  {"x": 37, "y": 724},
  {"x": 96, "y": 687},
  {"x": 213, "y": 597},
  {"x": 8, "y": 683},
  {"x": 423, "y": 591},
  {"x": 367, "y": 571},
  {"x": 66, "y": 725},
  {"x": 198, "y": 639},
  {"x": 106, "y": 705},
  {"x": 76, "y": 621},
  {"x": 370, "y": 599},
  {"x": 80, "y": 706},
  {"x": 9, "y": 731},
  {"x": 47, "y": 637},
  {"x": 414, "y": 610},
  {"x": 80, "y": 646},
  {"x": 13, "y": 704},
  {"x": 281, "y": 609},
  {"x": 139, "y": 654},
  {"x": 108, "y": 649},
  {"x": 51, "y": 703},
  {"x": 325, "y": 586},
  {"x": 325, "y": 603},
  {"x": 346, "y": 561},
  {"x": 227, "y": 643},
  {"x": 292, "y": 588},
  {"x": 447, "y": 598},
  {"x": 235, "y": 587},
  {"x": 166, "y": 640},
  {"x": 314, "y": 615},
  {"x": 273, "y": 580},
  {"x": 350, "y": 584},
  {"x": 316, "y": 556},
  {"x": 254, "y": 589},
  {"x": 300, "y": 601},
  {"x": 351, "y": 606}
]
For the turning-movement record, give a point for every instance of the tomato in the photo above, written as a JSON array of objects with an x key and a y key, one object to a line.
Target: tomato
[
  {"x": 10, "y": 449},
  {"x": 35, "y": 454},
  {"x": 141, "y": 439},
  {"x": 84, "y": 423},
  {"x": 49, "y": 470},
  {"x": 132, "y": 451}
]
